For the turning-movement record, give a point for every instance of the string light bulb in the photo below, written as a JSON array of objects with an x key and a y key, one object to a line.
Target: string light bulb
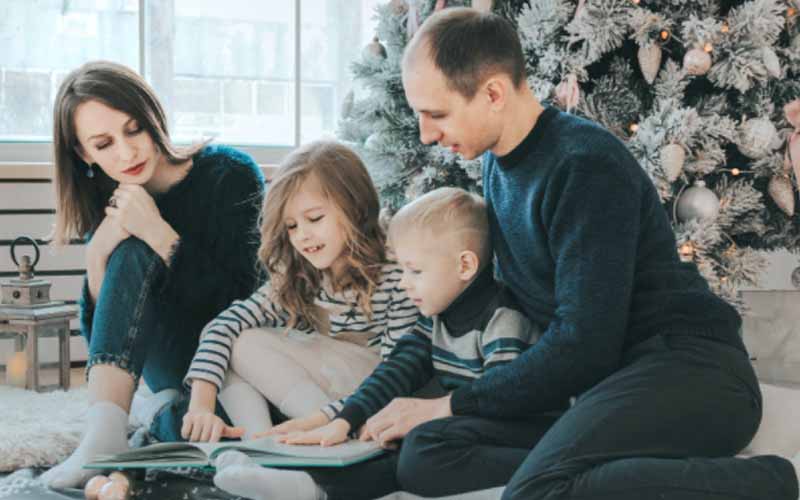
[
  {"x": 708, "y": 47},
  {"x": 686, "y": 252},
  {"x": 664, "y": 35},
  {"x": 735, "y": 172},
  {"x": 725, "y": 28},
  {"x": 791, "y": 11},
  {"x": 634, "y": 127}
]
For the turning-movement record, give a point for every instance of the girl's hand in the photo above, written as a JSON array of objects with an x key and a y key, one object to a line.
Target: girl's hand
[
  {"x": 300, "y": 424},
  {"x": 135, "y": 210},
  {"x": 203, "y": 425},
  {"x": 330, "y": 434}
]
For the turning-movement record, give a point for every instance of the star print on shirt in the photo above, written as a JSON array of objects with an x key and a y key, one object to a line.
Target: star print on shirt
[{"x": 350, "y": 315}]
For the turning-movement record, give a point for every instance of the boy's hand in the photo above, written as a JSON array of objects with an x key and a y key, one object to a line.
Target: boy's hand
[
  {"x": 330, "y": 434},
  {"x": 203, "y": 425},
  {"x": 300, "y": 424}
]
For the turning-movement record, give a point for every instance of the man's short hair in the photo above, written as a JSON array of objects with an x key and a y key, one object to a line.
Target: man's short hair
[
  {"x": 447, "y": 211},
  {"x": 468, "y": 46}
]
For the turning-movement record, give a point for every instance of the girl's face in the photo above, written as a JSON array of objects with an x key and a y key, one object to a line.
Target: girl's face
[
  {"x": 114, "y": 141},
  {"x": 315, "y": 227}
]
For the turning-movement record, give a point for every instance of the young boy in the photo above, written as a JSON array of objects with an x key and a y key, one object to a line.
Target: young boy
[{"x": 441, "y": 241}]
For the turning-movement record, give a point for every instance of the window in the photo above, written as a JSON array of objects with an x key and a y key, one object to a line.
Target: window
[{"x": 229, "y": 70}]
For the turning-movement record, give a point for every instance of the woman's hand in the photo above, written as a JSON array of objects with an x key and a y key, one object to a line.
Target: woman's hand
[
  {"x": 300, "y": 424},
  {"x": 329, "y": 434},
  {"x": 203, "y": 425},
  {"x": 135, "y": 211}
]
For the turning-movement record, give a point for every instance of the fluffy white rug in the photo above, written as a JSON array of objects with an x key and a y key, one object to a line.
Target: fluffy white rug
[{"x": 39, "y": 429}]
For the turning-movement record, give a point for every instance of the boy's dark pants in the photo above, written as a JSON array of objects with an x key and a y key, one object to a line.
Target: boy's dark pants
[{"x": 626, "y": 438}]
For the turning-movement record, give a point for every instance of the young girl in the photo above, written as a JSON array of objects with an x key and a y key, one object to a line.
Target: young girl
[
  {"x": 331, "y": 309},
  {"x": 172, "y": 243}
]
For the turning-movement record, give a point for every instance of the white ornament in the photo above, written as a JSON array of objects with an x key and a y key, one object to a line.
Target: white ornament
[
  {"x": 482, "y": 5},
  {"x": 771, "y": 62},
  {"x": 649, "y": 61},
  {"x": 698, "y": 202},
  {"x": 672, "y": 158},
  {"x": 780, "y": 189},
  {"x": 372, "y": 142},
  {"x": 374, "y": 50},
  {"x": 757, "y": 138},
  {"x": 697, "y": 62}
]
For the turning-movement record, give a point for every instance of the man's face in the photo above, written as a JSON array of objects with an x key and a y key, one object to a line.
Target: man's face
[{"x": 465, "y": 126}]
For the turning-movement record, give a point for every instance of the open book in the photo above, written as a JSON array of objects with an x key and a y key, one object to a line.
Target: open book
[{"x": 265, "y": 451}]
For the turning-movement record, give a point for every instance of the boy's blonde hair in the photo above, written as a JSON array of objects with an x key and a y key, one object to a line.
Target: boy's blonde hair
[
  {"x": 447, "y": 211},
  {"x": 345, "y": 182}
]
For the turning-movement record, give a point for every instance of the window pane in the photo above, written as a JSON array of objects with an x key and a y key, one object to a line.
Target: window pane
[
  {"x": 332, "y": 37},
  {"x": 42, "y": 40},
  {"x": 232, "y": 69}
]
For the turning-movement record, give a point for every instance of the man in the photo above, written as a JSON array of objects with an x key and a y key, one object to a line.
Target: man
[{"x": 581, "y": 239}]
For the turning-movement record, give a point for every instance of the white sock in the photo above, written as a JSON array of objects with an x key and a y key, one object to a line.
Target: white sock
[
  {"x": 238, "y": 475},
  {"x": 145, "y": 407},
  {"x": 246, "y": 408},
  {"x": 106, "y": 434},
  {"x": 303, "y": 399}
]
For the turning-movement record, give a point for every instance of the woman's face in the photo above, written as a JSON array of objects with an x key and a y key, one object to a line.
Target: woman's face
[{"x": 116, "y": 142}]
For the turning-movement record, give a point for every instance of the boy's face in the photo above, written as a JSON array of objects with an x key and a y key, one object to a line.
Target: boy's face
[{"x": 432, "y": 274}]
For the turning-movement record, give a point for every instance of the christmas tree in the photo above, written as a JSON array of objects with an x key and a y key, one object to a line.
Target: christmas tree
[{"x": 705, "y": 93}]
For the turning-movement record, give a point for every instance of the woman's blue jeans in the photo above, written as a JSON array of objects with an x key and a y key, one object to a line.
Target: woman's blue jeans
[{"x": 133, "y": 330}]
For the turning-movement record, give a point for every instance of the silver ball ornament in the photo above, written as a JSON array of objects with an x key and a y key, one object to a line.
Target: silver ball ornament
[
  {"x": 796, "y": 277},
  {"x": 698, "y": 202},
  {"x": 757, "y": 138}
]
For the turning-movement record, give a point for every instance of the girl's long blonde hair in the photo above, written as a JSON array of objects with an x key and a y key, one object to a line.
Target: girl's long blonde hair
[{"x": 346, "y": 183}]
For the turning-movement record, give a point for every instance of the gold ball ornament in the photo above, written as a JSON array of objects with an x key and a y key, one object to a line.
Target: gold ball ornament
[
  {"x": 649, "y": 61},
  {"x": 93, "y": 487},
  {"x": 780, "y": 189},
  {"x": 698, "y": 202},
  {"x": 697, "y": 62},
  {"x": 686, "y": 252},
  {"x": 757, "y": 138},
  {"x": 672, "y": 159},
  {"x": 374, "y": 50},
  {"x": 771, "y": 62}
]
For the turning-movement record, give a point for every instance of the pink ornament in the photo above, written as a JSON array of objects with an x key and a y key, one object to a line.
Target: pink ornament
[
  {"x": 114, "y": 490},
  {"x": 792, "y": 156},
  {"x": 697, "y": 62},
  {"x": 568, "y": 92},
  {"x": 92, "y": 488}
]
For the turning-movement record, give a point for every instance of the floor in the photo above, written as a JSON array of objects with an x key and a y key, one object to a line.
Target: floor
[{"x": 49, "y": 376}]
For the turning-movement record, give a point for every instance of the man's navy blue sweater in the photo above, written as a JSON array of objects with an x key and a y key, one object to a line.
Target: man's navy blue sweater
[{"x": 583, "y": 242}]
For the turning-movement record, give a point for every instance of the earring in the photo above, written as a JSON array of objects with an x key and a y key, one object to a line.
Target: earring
[{"x": 90, "y": 170}]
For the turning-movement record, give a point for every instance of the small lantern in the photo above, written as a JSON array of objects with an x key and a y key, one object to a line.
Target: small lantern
[{"x": 27, "y": 314}]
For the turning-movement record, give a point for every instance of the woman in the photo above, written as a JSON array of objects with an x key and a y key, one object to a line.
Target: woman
[{"x": 172, "y": 241}]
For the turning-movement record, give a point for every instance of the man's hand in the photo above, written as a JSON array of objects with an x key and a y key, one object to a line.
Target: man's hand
[
  {"x": 401, "y": 415},
  {"x": 334, "y": 432}
]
